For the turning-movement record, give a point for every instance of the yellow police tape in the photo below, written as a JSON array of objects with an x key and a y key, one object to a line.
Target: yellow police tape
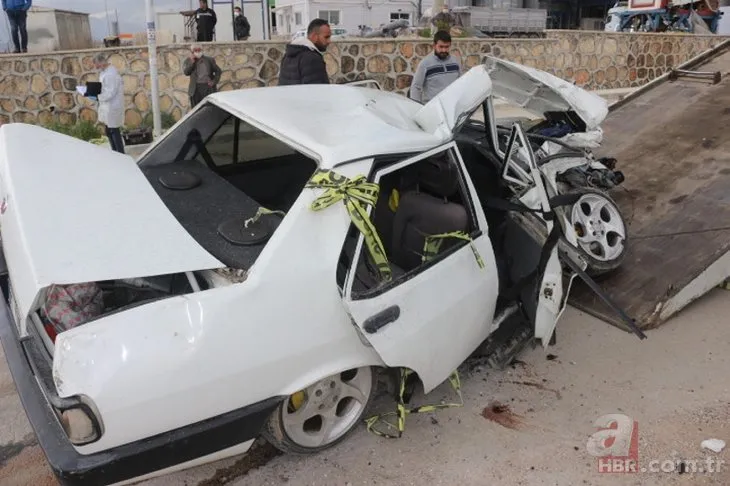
[
  {"x": 430, "y": 250},
  {"x": 725, "y": 285},
  {"x": 433, "y": 245},
  {"x": 402, "y": 411},
  {"x": 394, "y": 200},
  {"x": 261, "y": 212},
  {"x": 356, "y": 194}
]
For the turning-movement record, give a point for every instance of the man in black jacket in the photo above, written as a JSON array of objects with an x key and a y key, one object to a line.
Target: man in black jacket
[
  {"x": 303, "y": 61},
  {"x": 206, "y": 20},
  {"x": 241, "y": 27}
]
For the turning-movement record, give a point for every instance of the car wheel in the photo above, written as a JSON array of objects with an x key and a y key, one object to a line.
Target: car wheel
[
  {"x": 322, "y": 414},
  {"x": 601, "y": 231}
]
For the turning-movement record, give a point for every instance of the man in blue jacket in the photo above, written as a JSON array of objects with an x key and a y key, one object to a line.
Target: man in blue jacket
[{"x": 17, "y": 12}]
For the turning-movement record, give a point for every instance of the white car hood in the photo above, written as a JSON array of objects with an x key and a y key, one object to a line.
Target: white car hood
[
  {"x": 75, "y": 212},
  {"x": 538, "y": 92}
]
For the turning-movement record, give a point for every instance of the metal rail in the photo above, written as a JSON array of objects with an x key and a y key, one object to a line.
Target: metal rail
[{"x": 675, "y": 74}]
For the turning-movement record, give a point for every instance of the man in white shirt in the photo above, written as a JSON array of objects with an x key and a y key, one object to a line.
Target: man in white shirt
[{"x": 111, "y": 101}]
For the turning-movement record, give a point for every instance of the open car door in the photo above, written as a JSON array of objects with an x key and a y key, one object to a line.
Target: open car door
[
  {"x": 541, "y": 290},
  {"x": 520, "y": 171},
  {"x": 437, "y": 304}
]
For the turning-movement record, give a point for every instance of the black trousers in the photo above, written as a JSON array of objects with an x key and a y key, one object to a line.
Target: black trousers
[
  {"x": 201, "y": 91},
  {"x": 115, "y": 139},
  {"x": 18, "y": 30}
]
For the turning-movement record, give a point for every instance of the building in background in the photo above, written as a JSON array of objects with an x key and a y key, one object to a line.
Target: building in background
[
  {"x": 57, "y": 30},
  {"x": 178, "y": 26},
  {"x": 294, "y": 15}
]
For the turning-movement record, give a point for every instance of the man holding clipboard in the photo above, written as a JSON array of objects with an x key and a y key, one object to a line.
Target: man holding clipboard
[{"x": 109, "y": 92}]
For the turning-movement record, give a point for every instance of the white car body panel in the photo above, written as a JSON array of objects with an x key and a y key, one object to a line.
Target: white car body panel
[
  {"x": 333, "y": 123},
  {"x": 202, "y": 344},
  {"x": 538, "y": 92},
  {"x": 64, "y": 197},
  {"x": 455, "y": 103},
  {"x": 446, "y": 311}
]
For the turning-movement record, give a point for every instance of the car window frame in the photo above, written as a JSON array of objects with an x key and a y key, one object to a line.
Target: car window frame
[
  {"x": 476, "y": 229},
  {"x": 237, "y": 142}
]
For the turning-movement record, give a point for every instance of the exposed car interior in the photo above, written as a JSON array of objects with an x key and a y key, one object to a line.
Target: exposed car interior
[
  {"x": 431, "y": 199},
  {"x": 422, "y": 199},
  {"x": 216, "y": 171}
]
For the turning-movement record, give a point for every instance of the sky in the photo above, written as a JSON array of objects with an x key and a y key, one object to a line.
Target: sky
[{"x": 131, "y": 14}]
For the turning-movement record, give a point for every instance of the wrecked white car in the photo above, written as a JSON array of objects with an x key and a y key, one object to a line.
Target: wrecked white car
[
  {"x": 563, "y": 126},
  {"x": 251, "y": 272}
]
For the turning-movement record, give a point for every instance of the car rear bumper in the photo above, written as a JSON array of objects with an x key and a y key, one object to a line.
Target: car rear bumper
[{"x": 123, "y": 462}]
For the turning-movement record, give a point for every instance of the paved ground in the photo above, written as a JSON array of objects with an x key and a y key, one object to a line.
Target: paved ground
[{"x": 674, "y": 384}]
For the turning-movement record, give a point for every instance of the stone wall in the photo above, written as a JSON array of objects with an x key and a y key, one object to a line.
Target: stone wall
[{"x": 41, "y": 88}]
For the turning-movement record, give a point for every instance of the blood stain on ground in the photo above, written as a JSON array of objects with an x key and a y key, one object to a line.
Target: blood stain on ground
[{"x": 502, "y": 415}]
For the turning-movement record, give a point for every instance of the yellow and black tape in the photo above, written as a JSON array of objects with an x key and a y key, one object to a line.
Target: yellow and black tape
[
  {"x": 402, "y": 411},
  {"x": 433, "y": 245},
  {"x": 261, "y": 212},
  {"x": 725, "y": 285},
  {"x": 356, "y": 193}
]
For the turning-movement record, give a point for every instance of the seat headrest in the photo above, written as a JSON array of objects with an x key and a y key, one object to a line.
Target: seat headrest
[{"x": 438, "y": 175}]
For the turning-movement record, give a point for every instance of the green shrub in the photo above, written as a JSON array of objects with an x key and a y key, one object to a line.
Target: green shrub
[
  {"x": 59, "y": 127},
  {"x": 167, "y": 121},
  {"x": 83, "y": 130}
]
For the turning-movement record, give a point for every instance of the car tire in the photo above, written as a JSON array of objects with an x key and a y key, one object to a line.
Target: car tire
[
  {"x": 578, "y": 215},
  {"x": 291, "y": 434}
]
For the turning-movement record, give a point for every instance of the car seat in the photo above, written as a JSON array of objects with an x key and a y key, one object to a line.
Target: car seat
[{"x": 427, "y": 210}]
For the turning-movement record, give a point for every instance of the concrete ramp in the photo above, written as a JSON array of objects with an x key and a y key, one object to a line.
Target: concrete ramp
[{"x": 673, "y": 144}]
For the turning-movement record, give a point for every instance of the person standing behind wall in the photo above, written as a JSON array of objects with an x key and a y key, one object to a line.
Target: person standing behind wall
[
  {"x": 303, "y": 61},
  {"x": 241, "y": 27},
  {"x": 205, "y": 19},
  {"x": 17, "y": 12},
  {"x": 111, "y": 102},
  {"x": 204, "y": 75},
  {"x": 436, "y": 71}
]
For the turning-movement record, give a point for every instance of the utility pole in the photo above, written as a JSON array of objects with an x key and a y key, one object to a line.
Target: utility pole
[
  {"x": 152, "y": 51},
  {"x": 108, "y": 20}
]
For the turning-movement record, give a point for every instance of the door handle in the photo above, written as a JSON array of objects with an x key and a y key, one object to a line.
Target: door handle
[{"x": 374, "y": 323}]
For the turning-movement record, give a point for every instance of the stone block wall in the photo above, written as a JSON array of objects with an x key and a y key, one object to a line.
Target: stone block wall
[{"x": 41, "y": 88}]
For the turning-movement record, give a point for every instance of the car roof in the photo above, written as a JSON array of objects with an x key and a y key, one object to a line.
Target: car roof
[{"x": 333, "y": 123}]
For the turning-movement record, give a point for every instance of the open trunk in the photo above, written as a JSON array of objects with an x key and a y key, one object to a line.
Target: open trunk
[
  {"x": 87, "y": 232},
  {"x": 73, "y": 212}
]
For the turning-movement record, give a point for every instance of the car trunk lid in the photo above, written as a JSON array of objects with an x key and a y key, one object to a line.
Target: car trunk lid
[{"x": 74, "y": 212}]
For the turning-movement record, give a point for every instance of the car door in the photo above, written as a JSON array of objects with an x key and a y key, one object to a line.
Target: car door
[
  {"x": 520, "y": 171},
  {"x": 431, "y": 318}
]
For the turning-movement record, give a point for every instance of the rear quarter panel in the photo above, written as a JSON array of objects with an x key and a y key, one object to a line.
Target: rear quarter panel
[{"x": 184, "y": 359}]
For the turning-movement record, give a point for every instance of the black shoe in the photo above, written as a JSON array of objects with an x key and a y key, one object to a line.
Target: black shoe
[
  {"x": 16, "y": 52},
  {"x": 25, "y": 50}
]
